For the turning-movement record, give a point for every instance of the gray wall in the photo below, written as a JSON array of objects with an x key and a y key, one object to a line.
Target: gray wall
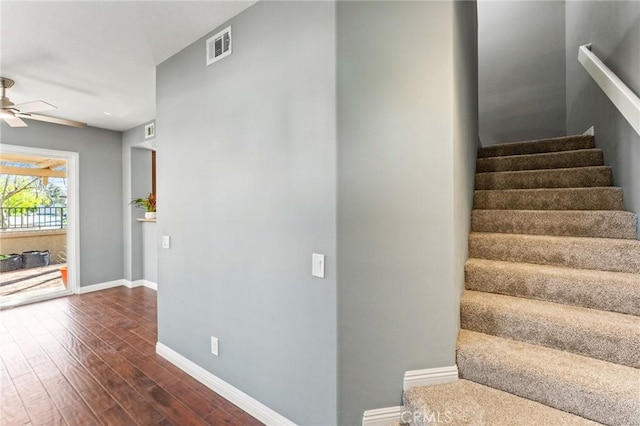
[
  {"x": 247, "y": 192},
  {"x": 465, "y": 139},
  {"x": 521, "y": 70},
  {"x": 136, "y": 183},
  {"x": 400, "y": 130},
  {"x": 100, "y": 191},
  {"x": 613, "y": 28},
  {"x": 150, "y": 251}
]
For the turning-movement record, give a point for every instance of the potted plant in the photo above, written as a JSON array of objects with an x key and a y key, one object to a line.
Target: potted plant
[
  {"x": 10, "y": 262},
  {"x": 35, "y": 258},
  {"x": 148, "y": 204},
  {"x": 62, "y": 258}
]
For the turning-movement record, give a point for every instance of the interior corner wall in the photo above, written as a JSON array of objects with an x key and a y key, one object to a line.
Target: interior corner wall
[
  {"x": 466, "y": 139},
  {"x": 136, "y": 183},
  {"x": 521, "y": 77},
  {"x": 100, "y": 191},
  {"x": 247, "y": 192},
  {"x": 397, "y": 296},
  {"x": 613, "y": 29}
]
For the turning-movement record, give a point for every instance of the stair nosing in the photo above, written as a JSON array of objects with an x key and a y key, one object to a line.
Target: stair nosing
[
  {"x": 575, "y": 371},
  {"x": 551, "y": 267},
  {"x": 578, "y": 188},
  {"x": 620, "y": 224},
  {"x": 540, "y": 312},
  {"x": 557, "y": 352},
  {"x": 533, "y": 142},
  {"x": 541, "y": 154},
  {"x": 541, "y": 171},
  {"x": 564, "y": 237}
]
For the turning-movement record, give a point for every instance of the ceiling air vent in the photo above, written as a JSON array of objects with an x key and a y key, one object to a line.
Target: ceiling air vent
[{"x": 219, "y": 46}]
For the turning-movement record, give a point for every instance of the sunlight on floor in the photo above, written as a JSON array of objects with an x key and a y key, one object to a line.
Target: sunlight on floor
[{"x": 27, "y": 283}]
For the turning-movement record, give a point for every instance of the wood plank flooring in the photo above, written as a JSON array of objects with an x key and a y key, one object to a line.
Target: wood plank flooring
[{"x": 90, "y": 360}]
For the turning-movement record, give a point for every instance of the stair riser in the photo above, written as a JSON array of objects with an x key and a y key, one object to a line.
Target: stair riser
[
  {"x": 563, "y": 395},
  {"x": 569, "y": 143},
  {"x": 560, "y": 160},
  {"x": 579, "y": 177},
  {"x": 574, "y": 332},
  {"x": 597, "y": 224},
  {"x": 581, "y": 253},
  {"x": 605, "y": 292},
  {"x": 550, "y": 199}
]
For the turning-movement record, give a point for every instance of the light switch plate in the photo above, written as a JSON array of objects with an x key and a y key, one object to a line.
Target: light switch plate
[
  {"x": 317, "y": 265},
  {"x": 214, "y": 345},
  {"x": 166, "y": 242}
]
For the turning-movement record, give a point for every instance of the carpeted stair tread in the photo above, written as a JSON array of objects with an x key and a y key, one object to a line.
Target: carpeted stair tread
[
  {"x": 468, "y": 403},
  {"x": 597, "y": 198},
  {"x": 607, "y": 336},
  {"x": 547, "y": 160},
  {"x": 577, "y": 223},
  {"x": 607, "y": 291},
  {"x": 603, "y": 254},
  {"x": 576, "y": 177},
  {"x": 597, "y": 390},
  {"x": 564, "y": 143}
]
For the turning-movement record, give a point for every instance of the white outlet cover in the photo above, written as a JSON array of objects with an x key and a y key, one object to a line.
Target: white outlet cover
[{"x": 214, "y": 345}]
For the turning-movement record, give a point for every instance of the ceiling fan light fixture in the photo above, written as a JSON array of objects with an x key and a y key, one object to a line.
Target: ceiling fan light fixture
[
  {"x": 13, "y": 114},
  {"x": 5, "y": 113},
  {"x": 5, "y": 102}
]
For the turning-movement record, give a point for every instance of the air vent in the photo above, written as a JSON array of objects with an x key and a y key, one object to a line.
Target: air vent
[
  {"x": 219, "y": 46},
  {"x": 150, "y": 130}
]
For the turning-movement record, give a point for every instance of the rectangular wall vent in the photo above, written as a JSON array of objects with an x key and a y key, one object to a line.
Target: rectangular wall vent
[
  {"x": 150, "y": 130},
  {"x": 219, "y": 46}
]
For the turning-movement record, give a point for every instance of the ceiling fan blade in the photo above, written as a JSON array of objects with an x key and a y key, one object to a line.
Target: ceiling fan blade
[
  {"x": 54, "y": 120},
  {"x": 34, "y": 106},
  {"x": 14, "y": 121}
]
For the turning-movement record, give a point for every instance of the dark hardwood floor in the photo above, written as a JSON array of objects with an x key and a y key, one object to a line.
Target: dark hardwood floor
[{"x": 90, "y": 360}]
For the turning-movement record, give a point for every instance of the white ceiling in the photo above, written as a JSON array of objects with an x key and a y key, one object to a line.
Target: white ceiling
[{"x": 92, "y": 57}]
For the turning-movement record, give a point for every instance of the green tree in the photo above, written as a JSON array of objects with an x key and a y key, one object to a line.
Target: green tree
[
  {"x": 56, "y": 194},
  {"x": 20, "y": 191}
]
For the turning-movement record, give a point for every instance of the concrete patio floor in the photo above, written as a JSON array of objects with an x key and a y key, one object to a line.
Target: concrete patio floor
[{"x": 31, "y": 281}]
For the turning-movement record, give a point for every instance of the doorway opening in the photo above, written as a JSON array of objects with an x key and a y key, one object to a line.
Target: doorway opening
[{"x": 39, "y": 243}]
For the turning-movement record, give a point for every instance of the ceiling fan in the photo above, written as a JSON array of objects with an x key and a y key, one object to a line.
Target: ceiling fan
[{"x": 13, "y": 114}]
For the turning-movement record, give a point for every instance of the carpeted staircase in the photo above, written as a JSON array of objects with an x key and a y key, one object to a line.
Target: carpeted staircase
[{"x": 551, "y": 312}]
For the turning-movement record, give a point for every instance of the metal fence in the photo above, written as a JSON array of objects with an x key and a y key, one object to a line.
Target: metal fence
[{"x": 33, "y": 218}]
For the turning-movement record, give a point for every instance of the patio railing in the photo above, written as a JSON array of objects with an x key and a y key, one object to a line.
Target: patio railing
[{"x": 33, "y": 218}]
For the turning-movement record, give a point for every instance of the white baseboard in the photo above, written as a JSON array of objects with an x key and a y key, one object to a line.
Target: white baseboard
[
  {"x": 142, "y": 283},
  {"x": 429, "y": 376},
  {"x": 591, "y": 131},
  {"x": 117, "y": 283},
  {"x": 102, "y": 286},
  {"x": 132, "y": 284},
  {"x": 383, "y": 416},
  {"x": 150, "y": 284},
  {"x": 224, "y": 389},
  {"x": 414, "y": 378}
]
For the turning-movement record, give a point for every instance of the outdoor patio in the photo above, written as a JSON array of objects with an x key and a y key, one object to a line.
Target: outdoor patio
[{"x": 33, "y": 281}]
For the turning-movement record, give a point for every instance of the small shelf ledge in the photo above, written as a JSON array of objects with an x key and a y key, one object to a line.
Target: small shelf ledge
[{"x": 141, "y": 219}]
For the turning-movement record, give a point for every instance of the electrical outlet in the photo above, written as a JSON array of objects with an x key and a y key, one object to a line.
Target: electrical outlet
[{"x": 214, "y": 345}]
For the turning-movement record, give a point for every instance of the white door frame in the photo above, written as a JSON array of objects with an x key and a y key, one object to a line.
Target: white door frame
[{"x": 73, "y": 218}]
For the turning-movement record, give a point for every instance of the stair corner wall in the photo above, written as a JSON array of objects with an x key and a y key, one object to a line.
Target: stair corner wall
[{"x": 613, "y": 31}]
